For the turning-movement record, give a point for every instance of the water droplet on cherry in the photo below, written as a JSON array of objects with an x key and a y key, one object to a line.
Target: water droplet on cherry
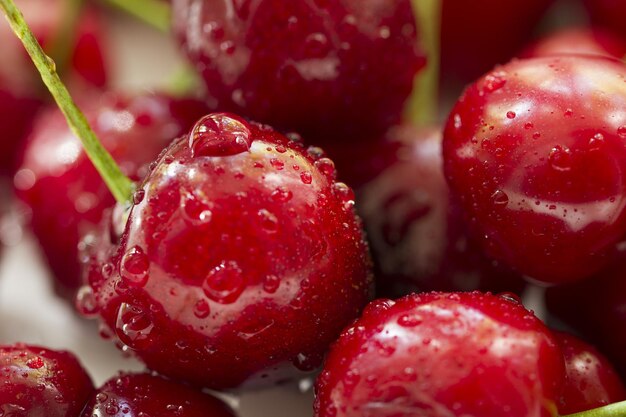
[{"x": 220, "y": 134}]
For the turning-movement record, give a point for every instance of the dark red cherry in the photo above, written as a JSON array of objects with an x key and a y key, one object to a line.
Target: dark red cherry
[
  {"x": 38, "y": 382},
  {"x": 609, "y": 14},
  {"x": 242, "y": 260},
  {"x": 309, "y": 66},
  {"x": 591, "y": 381},
  {"x": 536, "y": 153},
  {"x": 138, "y": 395},
  {"x": 577, "y": 41},
  {"x": 63, "y": 190},
  {"x": 418, "y": 236},
  {"x": 437, "y": 354}
]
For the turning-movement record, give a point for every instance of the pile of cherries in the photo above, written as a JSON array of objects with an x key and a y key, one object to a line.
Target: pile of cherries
[{"x": 244, "y": 258}]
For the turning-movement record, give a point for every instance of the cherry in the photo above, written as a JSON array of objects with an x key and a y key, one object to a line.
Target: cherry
[
  {"x": 63, "y": 190},
  {"x": 417, "y": 235},
  {"x": 587, "y": 41},
  {"x": 129, "y": 395},
  {"x": 535, "y": 151},
  {"x": 609, "y": 14},
  {"x": 241, "y": 260},
  {"x": 438, "y": 354},
  {"x": 36, "y": 382},
  {"x": 591, "y": 381},
  {"x": 307, "y": 66}
]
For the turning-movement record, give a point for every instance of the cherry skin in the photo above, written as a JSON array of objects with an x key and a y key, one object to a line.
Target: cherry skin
[
  {"x": 577, "y": 41},
  {"x": 306, "y": 66},
  {"x": 438, "y": 354},
  {"x": 62, "y": 188},
  {"x": 418, "y": 236},
  {"x": 129, "y": 395},
  {"x": 241, "y": 261},
  {"x": 591, "y": 381},
  {"x": 37, "y": 382},
  {"x": 609, "y": 14},
  {"x": 535, "y": 151}
]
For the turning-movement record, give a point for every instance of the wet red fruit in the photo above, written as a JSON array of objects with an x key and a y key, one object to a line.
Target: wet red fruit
[
  {"x": 63, "y": 190},
  {"x": 591, "y": 381},
  {"x": 536, "y": 153},
  {"x": 149, "y": 395},
  {"x": 309, "y": 66},
  {"x": 241, "y": 260},
  {"x": 437, "y": 354},
  {"x": 35, "y": 381},
  {"x": 609, "y": 14},
  {"x": 418, "y": 237},
  {"x": 586, "y": 41}
]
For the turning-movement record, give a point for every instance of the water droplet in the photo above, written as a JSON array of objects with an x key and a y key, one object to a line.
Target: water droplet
[
  {"x": 511, "y": 115},
  {"x": 306, "y": 177},
  {"x": 528, "y": 126},
  {"x": 409, "y": 320},
  {"x": 597, "y": 141},
  {"x": 560, "y": 158},
  {"x": 282, "y": 194},
  {"x": 326, "y": 167},
  {"x": 195, "y": 210},
  {"x": 500, "y": 199},
  {"x": 35, "y": 363},
  {"x": 133, "y": 326},
  {"x": 271, "y": 283},
  {"x": 621, "y": 131},
  {"x": 201, "y": 309},
  {"x": 138, "y": 196},
  {"x": 86, "y": 301},
  {"x": 224, "y": 283},
  {"x": 101, "y": 397},
  {"x": 281, "y": 149},
  {"x": 220, "y": 134},
  {"x": 568, "y": 113},
  {"x": 511, "y": 297},
  {"x": 134, "y": 266},
  {"x": 277, "y": 163},
  {"x": 494, "y": 81},
  {"x": 269, "y": 222}
]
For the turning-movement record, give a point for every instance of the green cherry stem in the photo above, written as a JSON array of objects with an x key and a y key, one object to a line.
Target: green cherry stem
[
  {"x": 156, "y": 13},
  {"x": 422, "y": 108},
  {"x": 612, "y": 410},
  {"x": 121, "y": 186}
]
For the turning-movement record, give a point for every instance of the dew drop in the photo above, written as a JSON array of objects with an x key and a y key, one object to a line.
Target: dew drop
[
  {"x": 281, "y": 194},
  {"x": 138, "y": 196},
  {"x": 494, "y": 81},
  {"x": 408, "y": 320},
  {"x": 86, "y": 301},
  {"x": 511, "y": 115},
  {"x": 621, "y": 131},
  {"x": 277, "y": 163},
  {"x": 224, "y": 283},
  {"x": 220, "y": 134},
  {"x": 596, "y": 141},
  {"x": 195, "y": 210},
  {"x": 560, "y": 158},
  {"x": 326, "y": 167},
  {"x": 133, "y": 326},
  {"x": 35, "y": 363},
  {"x": 201, "y": 309},
  {"x": 269, "y": 222},
  {"x": 271, "y": 283},
  {"x": 511, "y": 297},
  {"x": 500, "y": 199},
  {"x": 306, "y": 177},
  {"x": 134, "y": 266}
]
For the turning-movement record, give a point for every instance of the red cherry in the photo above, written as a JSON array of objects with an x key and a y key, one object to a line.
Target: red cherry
[
  {"x": 63, "y": 190},
  {"x": 437, "y": 354},
  {"x": 535, "y": 151},
  {"x": 36, "y": 381},
  {"x": 609, "y": 14},
  {"x": 307, "y": 66},
  {"x": 418, "y": 237},
  {"x": 150, "y": 395},
  {"x": 243, "y": 257},
  {"x": 591, "y": 381},
  {"x": 575, "y": 41}
]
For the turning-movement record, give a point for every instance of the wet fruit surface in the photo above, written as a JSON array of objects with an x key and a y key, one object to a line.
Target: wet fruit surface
[
  {"x": 138, "y": 395},
  {"x": 38, "y": 382},
  {"x": 436, "y": 354},
  {"x": 535, "y": 151},
  {"x": 241, "y": 260},
  {"x": 308, "y": 66},
  {"x": 585, "y": 41}
]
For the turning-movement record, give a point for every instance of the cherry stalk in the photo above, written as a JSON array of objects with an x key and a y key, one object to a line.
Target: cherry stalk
[{"x": 611, "y": 410}]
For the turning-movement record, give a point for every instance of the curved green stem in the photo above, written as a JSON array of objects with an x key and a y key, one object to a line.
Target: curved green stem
[
  {"x": 121, "y": 187},
  {"x": 422, "y": 107},
  {"x": 156, "y": 13},
  {"x": 612, "y": 410}
]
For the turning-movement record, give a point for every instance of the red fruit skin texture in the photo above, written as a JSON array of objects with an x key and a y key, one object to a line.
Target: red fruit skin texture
[
  {"x": 442, "y": 354},
  {"x": 418, "y": 236},
  {"x": 130, "y": 395},
  {"x": 39, "y": 382},
  {"x": 609, "y": 14},
  {"x": 535, "y": 152},
  {"x": 62, "y": 189},
  {"x": 591, "y": 381},
  {"x": 242, "y": 262},
  {"x": 577, "y": 41},
  {"x": 309, "y": 66}
]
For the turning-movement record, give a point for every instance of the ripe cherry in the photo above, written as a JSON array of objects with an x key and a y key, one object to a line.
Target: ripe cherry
[
  {"x": 149, "y": 395},
  {"x": 586, "y": 41},
  {"x": 418, "y": 236},
  {"x": 437, "y": 354},
  {"x": 63, "y": 190},
  {"x": 307, "y": 66},
  {"x": 241, "y": 260},
  {"x": 609, "y": 14},
  {"x": 36, "y": 381},
  {"x": 591, "y": 381},
  {"x": 536, "y": 153}
]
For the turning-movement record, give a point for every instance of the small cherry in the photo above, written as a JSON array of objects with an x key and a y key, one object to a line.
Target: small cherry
[
  {"x": 438, "y": 354},
  {"x": 609, "y": 14},
  {"x": 130, "y": 395},
  {"x": 579, "y": 40},
  {"x": 535, "y": 151},
  {"x": 36, "y": 382}
]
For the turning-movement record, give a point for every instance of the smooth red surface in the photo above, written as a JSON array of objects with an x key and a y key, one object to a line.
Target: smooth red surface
[
  {"x": 242, "y": 260},
  {"x": 577, "y": 40},
  {"x": 418, "y": 236},
  {"x": 328, "y": 69},
  {"x": 591, "y": 381},
  {"x": 62, "y": 188},
  {"x": 536, "y": 153},
  {"x": 442, "y": 355},
  {"x": 38, "y": 382},
  {"x": 138, "y": 395},
  {"x": 609, "y": 14}
]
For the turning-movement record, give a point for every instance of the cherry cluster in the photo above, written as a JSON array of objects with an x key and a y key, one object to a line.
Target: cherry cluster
[{"x": 389, "y": 265}]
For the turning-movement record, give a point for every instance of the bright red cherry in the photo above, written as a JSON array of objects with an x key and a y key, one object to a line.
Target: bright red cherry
[
  {"x": 418, "y": 237},
  {"x": 591, "y": 381},
  {"x": 241, "y": 260},
  {"x": 36, "y": 382},
  {"x": 309, "y": 66},
  {"x": 609, "y": 14},
  {"x": 437, "y": 354},
  {"x": 536, "y": 153},
  {"x": 576, "y": 41},
  {"x": 62, "y": 189},
  {"x": 129, "y": 395}
]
